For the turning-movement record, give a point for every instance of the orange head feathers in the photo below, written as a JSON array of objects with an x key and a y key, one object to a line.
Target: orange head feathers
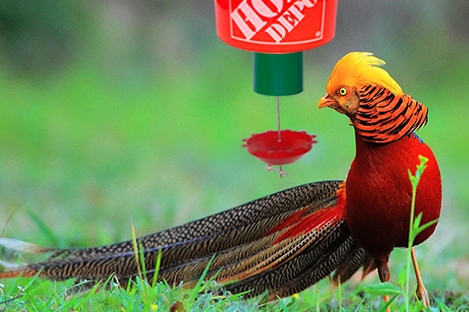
[
  {"x": 374, "y": 102},
  {"x": 358, "y": 69}
]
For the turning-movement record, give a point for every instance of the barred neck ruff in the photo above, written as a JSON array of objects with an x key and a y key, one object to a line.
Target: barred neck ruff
[{"x": 383, "y": 117}]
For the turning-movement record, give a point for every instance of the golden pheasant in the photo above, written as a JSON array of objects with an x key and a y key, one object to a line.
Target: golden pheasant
[{"x": 287, "y": 241}]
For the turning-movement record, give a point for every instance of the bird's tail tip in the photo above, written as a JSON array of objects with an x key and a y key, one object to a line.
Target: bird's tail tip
[
  {"x": 17, "y": 245},
  {"x": 14, "y": 270}
]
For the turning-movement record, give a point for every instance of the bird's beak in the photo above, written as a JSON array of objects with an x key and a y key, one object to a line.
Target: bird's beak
[{"x": 326, "y": 101}]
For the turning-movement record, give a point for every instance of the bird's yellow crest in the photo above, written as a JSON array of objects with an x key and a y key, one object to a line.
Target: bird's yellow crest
[{"x": 358, "y": 69}]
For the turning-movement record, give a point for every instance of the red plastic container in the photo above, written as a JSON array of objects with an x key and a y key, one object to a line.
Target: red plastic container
[
  {"x": 276, "y": 26},
  {"x": 266, "y": 147}
]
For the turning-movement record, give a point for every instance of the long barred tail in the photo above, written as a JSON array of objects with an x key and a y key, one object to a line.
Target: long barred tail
[{"x": 244, "y": 240}]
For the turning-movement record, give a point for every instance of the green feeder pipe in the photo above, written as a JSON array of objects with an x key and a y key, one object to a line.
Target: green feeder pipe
[{"x": 278, "y": 74}]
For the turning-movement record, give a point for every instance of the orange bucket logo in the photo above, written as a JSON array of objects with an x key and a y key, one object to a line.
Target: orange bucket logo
[
  {"x": 277, "y": 21},
  {"x": 276, "y": 25}
]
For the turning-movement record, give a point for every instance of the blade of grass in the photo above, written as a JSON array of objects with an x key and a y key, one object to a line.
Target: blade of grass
[
  {"x": 142, "y": 260},
  {"x": 339, "y": 288},
  {"x": 56, "y": 241},
  {"x": 385, "y": 307},
  {"x": 414, "y": 179},
  {"x": 198, "y": 287},
  {"x": 157, "y": 269},
  {"x": 135, "y": 244}
]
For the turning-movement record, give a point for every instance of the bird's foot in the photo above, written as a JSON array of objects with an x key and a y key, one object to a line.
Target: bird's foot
[{"x": 422, "y": 295}]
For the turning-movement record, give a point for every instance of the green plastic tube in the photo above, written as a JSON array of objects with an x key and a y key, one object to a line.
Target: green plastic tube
[{"x": 278, "y": 74}]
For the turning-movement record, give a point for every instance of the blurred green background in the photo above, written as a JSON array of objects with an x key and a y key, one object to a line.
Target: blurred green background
[{"x": 112, "y": 111}]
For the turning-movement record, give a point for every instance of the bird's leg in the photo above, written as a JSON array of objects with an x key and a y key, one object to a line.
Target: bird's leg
[
  {"x": 384, "y": 276},
  {"x": 386, "y": 300},
  {"x": 422, "y": 293}
]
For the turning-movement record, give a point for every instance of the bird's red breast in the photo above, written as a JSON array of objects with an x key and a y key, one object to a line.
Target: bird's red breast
[{"x": 379, "y": 194}]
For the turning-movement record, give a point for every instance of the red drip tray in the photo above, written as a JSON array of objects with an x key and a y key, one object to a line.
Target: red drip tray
[{"x": 266, "y": 146}]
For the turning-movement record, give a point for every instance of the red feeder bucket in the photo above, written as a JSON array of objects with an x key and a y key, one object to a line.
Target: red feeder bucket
[
  {"x": 267, "y": 147},
  {"x": 276, "y": 26}
]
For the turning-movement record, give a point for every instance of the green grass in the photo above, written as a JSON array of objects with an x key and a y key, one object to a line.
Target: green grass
[{"x": 40, "y": 295}]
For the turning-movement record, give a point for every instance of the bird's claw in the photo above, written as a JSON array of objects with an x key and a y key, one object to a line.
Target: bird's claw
[{"x": 422, "y": 295}]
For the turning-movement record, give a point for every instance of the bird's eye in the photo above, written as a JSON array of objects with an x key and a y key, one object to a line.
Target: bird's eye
[{"x": 342, "y": 91}]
